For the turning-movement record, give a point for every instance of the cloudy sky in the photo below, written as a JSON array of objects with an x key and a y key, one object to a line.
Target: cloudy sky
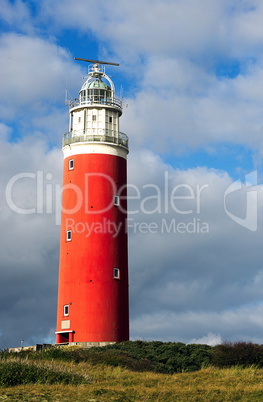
[{"x": 191, "y": 77}]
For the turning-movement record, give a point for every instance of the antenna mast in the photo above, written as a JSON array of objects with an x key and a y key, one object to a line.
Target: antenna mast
[{"x": 96, "y": 61}]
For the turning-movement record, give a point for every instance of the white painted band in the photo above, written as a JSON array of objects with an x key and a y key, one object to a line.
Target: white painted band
[{"x": 94, "y": 148}]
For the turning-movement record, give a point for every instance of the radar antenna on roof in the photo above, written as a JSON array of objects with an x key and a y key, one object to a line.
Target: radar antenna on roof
[{"x": 96, "y": 61}]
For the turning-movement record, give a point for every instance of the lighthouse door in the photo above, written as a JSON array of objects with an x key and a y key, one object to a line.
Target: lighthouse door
[{"x": 63, "y": 337}]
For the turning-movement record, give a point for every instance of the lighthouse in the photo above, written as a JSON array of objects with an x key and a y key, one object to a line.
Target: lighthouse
[{"x": 93, "y": 294}]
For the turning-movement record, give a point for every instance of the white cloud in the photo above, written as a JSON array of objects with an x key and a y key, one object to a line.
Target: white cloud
[
  {"x": 229, "y": 325},
  {"x": 209, "y": 339},
  {"x": 162, "y": 27},
  {"x": 246, "y": 32},
  {"x": 169, "y": 117},
  {"x": 30, "y": 243},
  {"x": 165, "y": 27},
  {"x": 16, "y": 14},
  {"x": 33, "y": 71},
  {"x": 176, "y": 269}
]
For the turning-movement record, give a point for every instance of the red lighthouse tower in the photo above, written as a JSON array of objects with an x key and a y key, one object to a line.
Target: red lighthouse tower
[{"x": 93, "y": 271}]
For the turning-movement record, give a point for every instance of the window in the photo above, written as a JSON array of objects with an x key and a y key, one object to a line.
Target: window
[
  {"x": 94, "y": 117},
  {"x": 71, "y": 164},
  {"x": 116, "y": 200},
  {"x": 66, "y": 310},
  {"x": 116, "y": 273},
  {"x": 110, "y": 119},
  {"x": 79, "y": 119},
  {"x": 69, "y": 235}
]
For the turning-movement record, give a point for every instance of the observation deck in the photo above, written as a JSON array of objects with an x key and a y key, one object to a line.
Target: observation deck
[
  {"x": 102, "y": 136},
  {"x": 95, "y": 100}
]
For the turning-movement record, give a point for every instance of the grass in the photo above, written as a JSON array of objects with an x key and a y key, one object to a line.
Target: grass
[
  {"x": 106, "y": 383},
  {"x": 133, "y": 371}
]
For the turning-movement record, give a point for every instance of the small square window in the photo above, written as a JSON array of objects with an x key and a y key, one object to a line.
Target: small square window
[
  {"x": 71, "y": 164},
  {"x": 66, "y": 310},
  {"x": 69, "y": 235},
  {"x": 116, "y": 200},
  {"x": 116, "y": 273}
]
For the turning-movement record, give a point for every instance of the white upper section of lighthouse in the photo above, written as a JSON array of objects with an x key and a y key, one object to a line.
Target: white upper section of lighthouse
[{"x": 94, "y": 116}]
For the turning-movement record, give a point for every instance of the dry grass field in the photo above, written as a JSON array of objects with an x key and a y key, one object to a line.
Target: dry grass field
[
  {"x": 106, "y": 383},
  {"x": 135, "y": 371}
]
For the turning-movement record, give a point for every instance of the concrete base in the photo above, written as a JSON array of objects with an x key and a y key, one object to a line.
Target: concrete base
[
  {"x": 37, "y": 347},
  {"x": 34, "y": 348}
]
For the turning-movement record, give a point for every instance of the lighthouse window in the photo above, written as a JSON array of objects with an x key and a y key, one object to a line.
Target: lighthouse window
[
  {"x": 94, "y": 117},
  {"x": 116, "y": 273},
  {"x": 71, "y": 164},
  {"x": 66, "y": 310},
  {"x": 69, "y": 235},
  {"x": 110, "y": 119},
  {"x": 116, "y": 200}
]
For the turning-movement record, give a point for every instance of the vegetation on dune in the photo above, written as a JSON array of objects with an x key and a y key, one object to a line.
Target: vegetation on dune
[
  {"x": 156, "y": 356},
  {"x": 167, "y": 357},
  {"x": 242, "y": 354},
  {"x": 16, "y": 373},
  {"x": 117, "y": 384},
  {"x": 135, "y": 371},
  {"x": 134, "y": 355}
]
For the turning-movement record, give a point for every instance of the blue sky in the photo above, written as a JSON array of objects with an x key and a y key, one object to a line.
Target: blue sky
[{"x": 191, "y": 74}]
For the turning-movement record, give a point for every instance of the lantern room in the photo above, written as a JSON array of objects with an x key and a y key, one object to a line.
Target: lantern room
[{"x": 98, "y": 89}]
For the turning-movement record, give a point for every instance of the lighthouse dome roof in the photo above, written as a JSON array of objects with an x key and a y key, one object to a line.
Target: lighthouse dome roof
[{"x": 95, "y": 84}]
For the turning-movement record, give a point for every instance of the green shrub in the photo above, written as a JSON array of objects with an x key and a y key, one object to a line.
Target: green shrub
[
  {"x": 239, "y": 353},
  {"x": 163, "y": 357}
]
